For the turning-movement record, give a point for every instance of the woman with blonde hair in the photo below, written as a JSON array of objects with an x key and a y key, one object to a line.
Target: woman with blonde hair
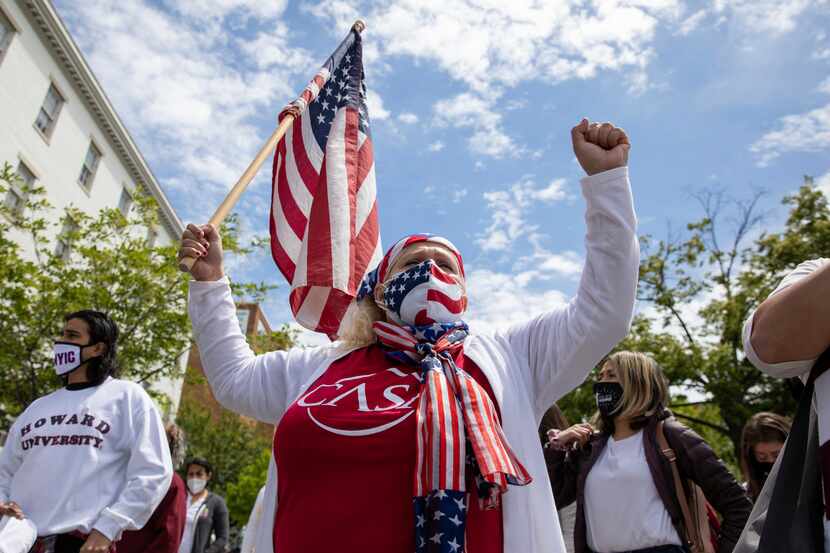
[
  {"x": 416, "y": 433},
  {"x": 762, "y": 439},
  {"x": 621, "y": 480}
]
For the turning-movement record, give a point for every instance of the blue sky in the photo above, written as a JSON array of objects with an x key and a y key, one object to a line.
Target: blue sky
[{"x": 471, "y": 105}]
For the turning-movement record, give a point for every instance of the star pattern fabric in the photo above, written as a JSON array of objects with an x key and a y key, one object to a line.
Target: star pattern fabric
[{"x": 440, "y": 520}]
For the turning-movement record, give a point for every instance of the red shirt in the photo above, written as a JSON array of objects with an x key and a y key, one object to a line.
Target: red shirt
[
  {"x": 345, "y": 455},
  {"x": 163, "y": 532}
]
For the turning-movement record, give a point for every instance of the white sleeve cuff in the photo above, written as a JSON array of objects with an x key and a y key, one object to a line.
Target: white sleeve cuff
[
  {"x": 604, "y": 177},
  {"x": 111, "y": 525},
  {"x": 786, "y": 369}
]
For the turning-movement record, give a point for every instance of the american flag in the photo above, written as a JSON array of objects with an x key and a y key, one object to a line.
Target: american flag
[
  {"x": 408, "y": 293},
  {"x": 324, "y": 215}
]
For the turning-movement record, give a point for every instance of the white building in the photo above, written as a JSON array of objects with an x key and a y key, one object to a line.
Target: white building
[{"x": 58, "y": 127}]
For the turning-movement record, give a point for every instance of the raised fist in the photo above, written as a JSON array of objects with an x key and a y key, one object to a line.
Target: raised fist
[
  {"x": 600, "y": 147},
  {"x": 205, "y": 245}
]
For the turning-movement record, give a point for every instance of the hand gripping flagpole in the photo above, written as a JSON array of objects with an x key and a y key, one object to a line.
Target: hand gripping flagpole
[{"x": 186, "y": 263}]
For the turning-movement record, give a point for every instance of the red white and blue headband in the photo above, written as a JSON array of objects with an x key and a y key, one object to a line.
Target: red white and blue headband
[{"x": 379, "y": 274}]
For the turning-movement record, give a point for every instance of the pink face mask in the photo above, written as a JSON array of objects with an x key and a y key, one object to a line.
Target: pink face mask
[{"x": 424, "y": 294}]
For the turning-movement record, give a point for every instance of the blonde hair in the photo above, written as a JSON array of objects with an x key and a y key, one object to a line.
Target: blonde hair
[
  {"x": 358, "y": 332},
  {"x": 645, "y": 390}
]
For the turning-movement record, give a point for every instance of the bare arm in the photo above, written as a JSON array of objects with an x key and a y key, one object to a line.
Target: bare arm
[{"x": 793, "y": 324}]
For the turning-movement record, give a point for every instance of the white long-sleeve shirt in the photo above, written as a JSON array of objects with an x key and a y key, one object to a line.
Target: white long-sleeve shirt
[
  {"x": 529, "y": 366},
  {"x": 95, "y": 458}
]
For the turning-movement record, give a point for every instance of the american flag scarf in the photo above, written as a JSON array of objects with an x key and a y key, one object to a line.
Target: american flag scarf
[
  {"x": 457, "y": 424},
  {"x": 324, "y": 215}
]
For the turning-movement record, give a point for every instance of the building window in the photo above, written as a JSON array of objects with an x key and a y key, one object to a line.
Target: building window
[
  {"x": 93, "y": 156},
  {"x": 125, "y": 203},
  {"x": 17, "y": 193},
  {"x": 6, "y": 32},
  {"x": 63, "y": 247},
  {"x": 49, "y": 111}
]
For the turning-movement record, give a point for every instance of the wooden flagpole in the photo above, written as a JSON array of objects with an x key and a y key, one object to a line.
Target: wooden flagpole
[{"x": 186, "y": 263}]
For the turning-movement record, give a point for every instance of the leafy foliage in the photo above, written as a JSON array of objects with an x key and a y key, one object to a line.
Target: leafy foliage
[
  {"x": 228, "y": 442},
  {"x": 52, "y": 264},
  {"x": 242, "y": 493},
  {"x": 703, "y": 285}
]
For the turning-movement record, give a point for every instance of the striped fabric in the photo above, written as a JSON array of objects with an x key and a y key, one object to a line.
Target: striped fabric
[
  {"x": 324, "y": 218},
  {"x": 456, "y": 423}
]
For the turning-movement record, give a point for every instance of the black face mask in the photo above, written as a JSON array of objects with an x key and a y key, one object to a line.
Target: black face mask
[
  {"x": 608, "y": 396},
  {"x": 762, "y": 471}
]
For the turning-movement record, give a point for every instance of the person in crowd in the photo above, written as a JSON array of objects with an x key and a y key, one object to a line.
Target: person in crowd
[
  {"x": 163, "y": 532},
  {"x": 621, "y": 481},
  {"x": 349, "y": 457},
  {"x": 762, "y": 439},
  {"x": 90, "y": 460},
  {"x": 785, "y": 336},
  {"x": 553, "y": 422},
  {"x": 206, "y": 530}
]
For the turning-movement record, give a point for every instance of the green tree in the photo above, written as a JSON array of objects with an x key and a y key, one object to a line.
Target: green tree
[
  {"x": 238, "y": 450},
  {"x": 242, "y": 493},
  {"x": 103, "y": 262},
  {"x": 227, "y": 442},
  {"x": 703, "y": 285}
]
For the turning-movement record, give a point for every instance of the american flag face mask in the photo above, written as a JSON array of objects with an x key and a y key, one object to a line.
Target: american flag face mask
[
  {"x": 458, "y": 430},
  {"x": 424, "y": 294}
]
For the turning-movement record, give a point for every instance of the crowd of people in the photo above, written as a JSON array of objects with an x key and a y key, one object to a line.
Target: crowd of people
[{"x": 412, "y": 432}]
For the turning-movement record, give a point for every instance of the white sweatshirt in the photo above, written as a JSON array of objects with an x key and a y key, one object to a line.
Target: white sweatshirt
[
  {"x": 95, "y": 458},
  {"x": 528, "y": 366}
]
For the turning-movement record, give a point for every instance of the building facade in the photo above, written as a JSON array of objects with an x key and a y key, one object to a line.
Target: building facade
[{"x": 58, "y": 129}]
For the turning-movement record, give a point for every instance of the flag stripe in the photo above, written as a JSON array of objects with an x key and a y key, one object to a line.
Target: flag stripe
[{"x": 323, "y": 222}]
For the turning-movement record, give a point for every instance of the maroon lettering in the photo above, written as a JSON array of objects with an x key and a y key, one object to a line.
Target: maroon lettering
[
  {"x": 72, "y": 420},
  {"x": 98, "y": 442},
  {"x": 64, "y": 440},
  {"x": 25, "y": 430},
  {"x": 103, "y": 427},
  {"x": 39, "y": 423},
  {"x": 57, "y": 419},
  {"x": 88, "y": 420},
  {"x": 65, "y": 357},
  {"x": 74, "y": 439}
]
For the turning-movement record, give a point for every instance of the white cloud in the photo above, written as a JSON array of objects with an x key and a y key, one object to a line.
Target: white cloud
[
  {"x": 769, "y": 16},
  {"x": 374, "y": 103},
  {"x": 471, "y": 110},
  {"x": 192, "y": 95},
  {"x": 552, "y": 192},
  {"x": 805, "y": 132},
  {"x": 458, "y": 195},
  {"x": 506, "y": 44},
  {"x": 823, "y": 183},
  {"x": 436, "y": 146},
  {"x": 494, "y": 298},
  {"x": 408, "y": 118},
  {"x": 825, "y": 86},
  {"x": 692, "y": 22},
  {"x": 507, "y": 212}
]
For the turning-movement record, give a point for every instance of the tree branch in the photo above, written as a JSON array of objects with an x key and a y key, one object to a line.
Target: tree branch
[{"x": 721, "y": 429}]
